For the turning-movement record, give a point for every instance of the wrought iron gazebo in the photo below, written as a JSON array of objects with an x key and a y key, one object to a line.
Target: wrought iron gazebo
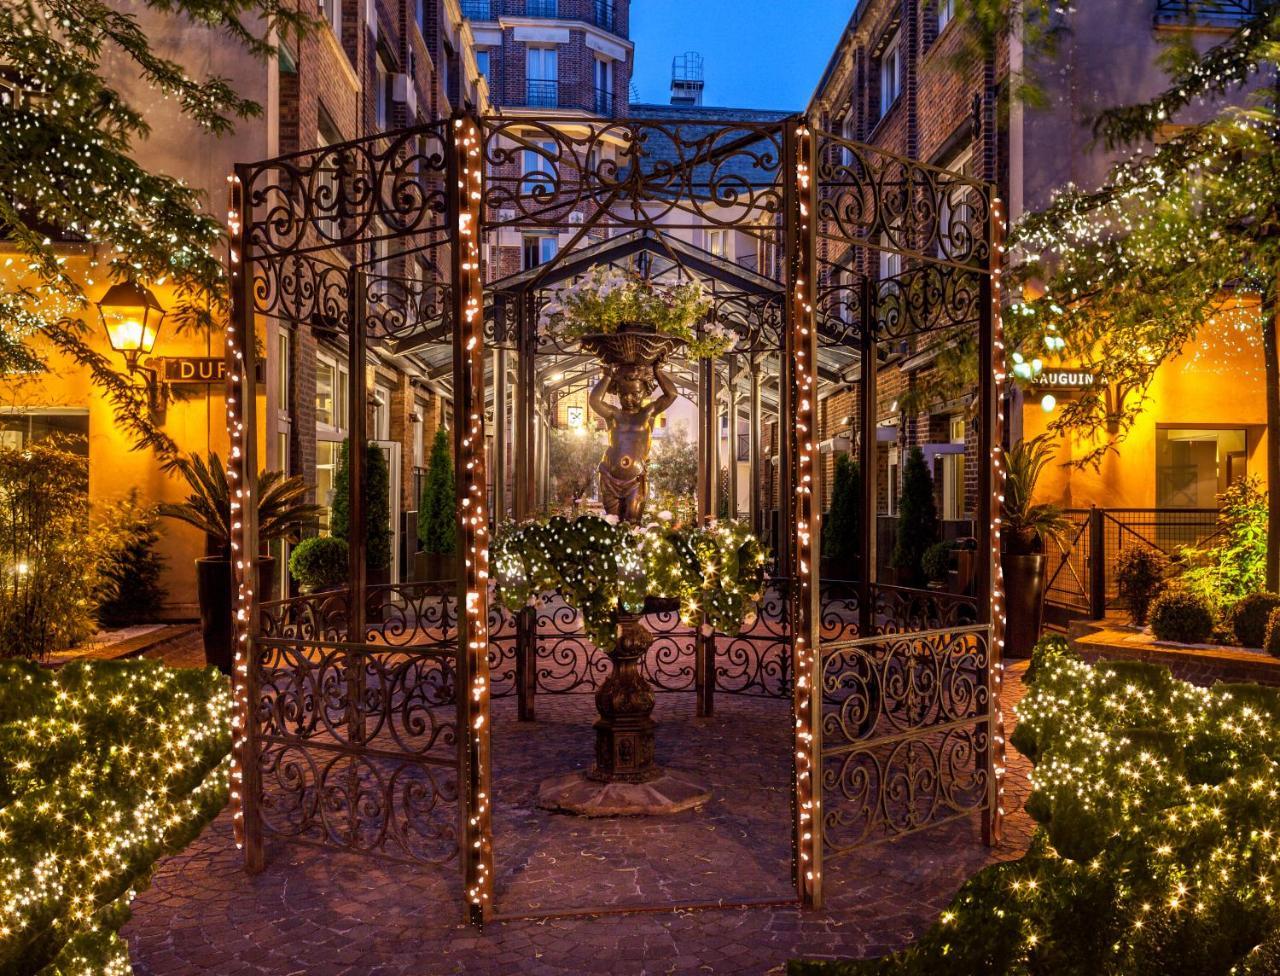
[{"x": 363, "y": 715}]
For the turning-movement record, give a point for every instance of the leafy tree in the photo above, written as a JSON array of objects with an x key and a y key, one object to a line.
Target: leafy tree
[
  {"x": 437, "y": 509},
  {"x": 673, "y": 471},
  {"x": 1233, "y": 565},
  {"x": 917, "y": 520},
  {"x": 68, "y": 170},
  {"x": 575, "y": 460},
  {"x": 841, "y": 527},
  {"x": 377, "y": 505},
  {"x": 1180, "y": 235}
]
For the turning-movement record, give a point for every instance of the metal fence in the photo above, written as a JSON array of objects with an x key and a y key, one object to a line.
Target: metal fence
[{"x": 1080, "y": 570}]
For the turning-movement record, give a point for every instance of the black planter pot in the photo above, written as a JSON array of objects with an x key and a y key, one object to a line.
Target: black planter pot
[
  {"x": 215, "y": 589},
  {"x": 1024, "y": 601},
  {"x": 432, "y": 567}
]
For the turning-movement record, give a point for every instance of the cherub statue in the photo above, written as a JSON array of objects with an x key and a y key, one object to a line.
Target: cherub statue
[{"x": 624, "y": 468}]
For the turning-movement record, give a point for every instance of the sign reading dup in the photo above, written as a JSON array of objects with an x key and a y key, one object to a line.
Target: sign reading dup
[{"x": 202, "y": 369}]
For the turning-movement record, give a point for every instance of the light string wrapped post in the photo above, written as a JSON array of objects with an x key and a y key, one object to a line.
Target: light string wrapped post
[
  {"x": 995, "y": 377},
  {"x": 799, "y": 383},
  {"x": 465, "y": 191},
  {"x": 241, "y": 464}
]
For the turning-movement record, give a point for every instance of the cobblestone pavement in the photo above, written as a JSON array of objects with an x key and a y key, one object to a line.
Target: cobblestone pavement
[{"x": 320, "y": 912}]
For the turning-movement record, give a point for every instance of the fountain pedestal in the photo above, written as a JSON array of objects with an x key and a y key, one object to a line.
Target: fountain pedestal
[{"x": 624, "y": 781}]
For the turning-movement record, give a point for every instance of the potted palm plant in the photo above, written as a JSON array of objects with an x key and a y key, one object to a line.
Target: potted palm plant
[
  {"x": 282, "y": 510},
  {"x": 1026, "y": 529}
]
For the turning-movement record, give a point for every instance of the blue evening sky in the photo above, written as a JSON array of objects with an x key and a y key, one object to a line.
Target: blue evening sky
[{"x": 756, "y": 53}]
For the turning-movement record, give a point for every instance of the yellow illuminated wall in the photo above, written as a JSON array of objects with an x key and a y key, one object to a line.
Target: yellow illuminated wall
[
  {"x": 195, "y": 418},
  {"x": 1217, "y": 382}
]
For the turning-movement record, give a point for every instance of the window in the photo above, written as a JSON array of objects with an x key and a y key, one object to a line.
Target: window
[
  {"x": 482, "y": 61},
  {"x": 331, "y": 13},
  {"x": 717, "y": 243},
  {"x": 604, "y": 86},
  {"x": 957, "y": 209},
  {"x": 1205, "y": 13},
  {"x": 542, "y": 73},
  {"x": 1195, "y": 465},
  {"x": 890, "y": 74},
  {"x": 284, "y": 355},
  {"x": 17, "y": 429},
  {"x": 381, "y": 427},
  {"x": 538, "y": 169},
  {"x": 419, "y": 432},
  {"x": 952, "y": 473},
  {"x": 891, "y": 483},
  {"x": 539, "y": 249},
  {"x": 946, "y": 11},
  {"x": 286, "y": 60},
  {"x": 327, "y": 190},
  {"x": 890, "y": 261},
  {"x": 383, "y": 79},
  {"x": 326, "y": 474},
  {"x": 331, "y": 394}
]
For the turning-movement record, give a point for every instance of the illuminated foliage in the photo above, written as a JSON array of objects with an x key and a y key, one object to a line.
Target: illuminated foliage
[
  {"x": 595, "y": 564},
  {"x": 1158, "y": 838},
  {"x": 104, "y": 768},
  {"x": 68, "y": 171}
]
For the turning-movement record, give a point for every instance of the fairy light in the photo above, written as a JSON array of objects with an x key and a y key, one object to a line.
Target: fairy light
[
  {"x": 800, "y": 368},
  {"x": 466, "y": 192},
  {"x": 996, "y": 764}
]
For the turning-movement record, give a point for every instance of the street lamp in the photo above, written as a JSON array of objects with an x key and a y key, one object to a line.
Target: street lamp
[{"x": 131, "y": 317}]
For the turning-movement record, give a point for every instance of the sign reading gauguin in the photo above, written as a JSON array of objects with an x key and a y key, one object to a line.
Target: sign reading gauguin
[{"x": 1065, "y": 378}]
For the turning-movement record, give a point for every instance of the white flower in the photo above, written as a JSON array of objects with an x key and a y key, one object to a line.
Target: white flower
[
  {"x": 665, "y": 515},
  {"x": 611, "y": 519}
]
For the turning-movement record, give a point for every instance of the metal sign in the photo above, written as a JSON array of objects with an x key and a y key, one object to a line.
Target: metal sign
[
  {"x": 1065, "y": 378},
  {"x": 201, "y": 369}
]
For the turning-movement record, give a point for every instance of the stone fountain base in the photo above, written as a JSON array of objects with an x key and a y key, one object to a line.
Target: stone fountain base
[{"x": 578, "y": 793}]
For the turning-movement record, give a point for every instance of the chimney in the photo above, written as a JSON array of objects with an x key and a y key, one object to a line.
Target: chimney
[{"x": 686, "y": 79}]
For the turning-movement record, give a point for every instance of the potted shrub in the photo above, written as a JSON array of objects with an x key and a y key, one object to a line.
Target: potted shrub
[
  {"x": 1026, "y": 527},
  {"x": 917, "y": 522},
  {"x": 841, "y": 526},
  {"x": 437, "y": 515},
  {"x": 282, "y": 511},
  {"x": 377, "y": 519},
  {"x": 320, "y": 563},
  {"x": 1140, "y": 575},
  {"x": 936, "y": 565}
]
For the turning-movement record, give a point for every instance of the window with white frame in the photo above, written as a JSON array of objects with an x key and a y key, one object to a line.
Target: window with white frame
[
  {"x": 890, "y": 73},
  {"x": 957, "y": 208},
  {"x": 542, "y": 77},
  {"x": 331, "y": 428},
  {"x": 891, "y": 481},
  {"x": 537, "y": 166},
  {"x": 331, "y": 13},
  {"x": 890, "y": 261},
  {"x": 946, "y": 12},
  {"x": 718, "y": 243},
  {"x": 603, "y": 74},
  {"x": 539, "y": 249},
  {"x": 952, "y": 473},
  {"x": 383, "y": 75},
  {"x": 381, "y": 427},
  {"x": 328, "y": 188}
]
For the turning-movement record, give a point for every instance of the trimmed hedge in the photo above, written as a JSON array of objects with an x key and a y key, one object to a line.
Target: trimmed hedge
[
  {"x": 1249, "y": 618},
  {"x": 1181, "y": 616},
  {"x": 1272, "y": 643},
  {"x": 1158, "y": 836},
  {"x": 105, "y": 767}
]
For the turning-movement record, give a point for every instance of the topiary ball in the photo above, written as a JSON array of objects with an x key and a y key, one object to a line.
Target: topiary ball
[
  {"x": 1249, "y": 618},
  {"x": 1140, "y": 574},
  {"x": 321, "y": 561},
  {"x": 1181, "y": 616}
]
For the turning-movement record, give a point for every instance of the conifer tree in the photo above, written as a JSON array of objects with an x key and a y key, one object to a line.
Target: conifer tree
[
  {"x": 437, "y": 509},
  {"x": 840, "y": 526},
  {"x": 917, "y": 521}
]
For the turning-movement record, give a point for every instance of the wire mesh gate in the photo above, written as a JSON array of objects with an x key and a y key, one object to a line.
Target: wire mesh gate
[{"x": 363, "y": 715}]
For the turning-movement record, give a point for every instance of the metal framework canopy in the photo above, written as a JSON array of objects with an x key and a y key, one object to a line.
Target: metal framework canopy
[{"x": 441, "y": 244}]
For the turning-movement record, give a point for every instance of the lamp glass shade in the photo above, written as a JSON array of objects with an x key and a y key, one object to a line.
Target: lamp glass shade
[{"x": 131, "y": 316}]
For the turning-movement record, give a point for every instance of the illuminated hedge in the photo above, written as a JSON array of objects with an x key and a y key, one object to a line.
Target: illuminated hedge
[
  {"x": 104, "y": 768},
  {"x": 594, "y": 563},
  {"x": 1159, "y": 837}
]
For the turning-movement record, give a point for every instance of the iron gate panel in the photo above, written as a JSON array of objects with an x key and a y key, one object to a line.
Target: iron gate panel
[{"x": 906, "y": 727}]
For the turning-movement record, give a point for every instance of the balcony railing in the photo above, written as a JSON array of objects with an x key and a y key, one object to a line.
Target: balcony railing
[
  {"x": 541, "y": 8},
  {"x": 602, "y": 14},
  {"x": 542, "y": 94},
  {"x": 604, "y": 102},
  {"x": 477, "y": 9},
  {"x": 1204, "y": 13}
]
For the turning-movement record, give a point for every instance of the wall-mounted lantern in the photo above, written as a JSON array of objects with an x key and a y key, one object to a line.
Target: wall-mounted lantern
[{"x": 131, "y": 317}]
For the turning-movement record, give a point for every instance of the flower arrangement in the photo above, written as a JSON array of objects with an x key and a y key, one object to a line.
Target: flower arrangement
[
  {"x": 607, "y": 298},
  {"x": 596, "y": 564}
]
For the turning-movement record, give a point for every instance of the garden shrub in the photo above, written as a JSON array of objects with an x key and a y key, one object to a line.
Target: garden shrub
[
  {"x": 91, "y": 796},
  {"x": 1235, "y": 565},
  {"x": 1140, "y": 575},
  {"x": 377, "y": 504},
  {"x": 1156, "y": 834},
  {"x": 438, "y": 506},
  {"x": 917, "y": 520},
  {"x": 841, "y": 534},
  {"x": 936, "y": 562},
  {"x": 1249, "y": 618},
  {"x": 131, "y": 566},
  {"x": 50, "y": 560},
  {"x": 319, "y": 562},
  {"x": 1272, "y": 641},
  {"x": 1182, "y": 616}
]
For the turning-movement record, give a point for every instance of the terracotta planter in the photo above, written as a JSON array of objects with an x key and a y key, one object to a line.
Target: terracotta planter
[
  {"x": 215, "y": 589},
  {"x": 1024, "y": 599}
]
